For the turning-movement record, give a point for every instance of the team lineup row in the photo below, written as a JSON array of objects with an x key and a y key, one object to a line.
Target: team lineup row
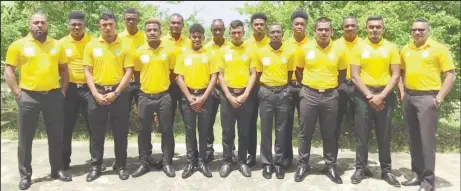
[{"x": 319, "y": 78}]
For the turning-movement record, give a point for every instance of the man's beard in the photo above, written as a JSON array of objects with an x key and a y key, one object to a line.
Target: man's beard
[{"x": 40, "y": 36}]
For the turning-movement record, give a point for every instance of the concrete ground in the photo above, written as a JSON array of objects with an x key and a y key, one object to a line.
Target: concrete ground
[{"x": 447, "y": 172}]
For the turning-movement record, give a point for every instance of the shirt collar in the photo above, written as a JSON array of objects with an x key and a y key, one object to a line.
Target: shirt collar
[
  {"x": 265, "y": 40},
  {"x": 355, "y": 41},
  {"x": 31, "y": 38},
  {"x": 201, "y": 50},
  {"x": 278, "y": 50},
  {"x": 304, "y": 41},
  {"x": 137, "y": 33},
  {"x": 216, "y": 46},
  {"x": 330, "y": 44},
  {"x": 160, "y": 46},
  {"x": 380, "y": 43},
  {"x": 181, "y": 38},
  {"x": 84, "y": 39},
  {"x": 117, "y": 40},
  {"x": 428, "y": 43},
  {"x": 232, "y": 45}
]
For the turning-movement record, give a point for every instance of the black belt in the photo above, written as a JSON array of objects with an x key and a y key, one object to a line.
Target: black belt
[
  {"x": 135, "y": 83},
  {"x": 196, "y": 91},
  {"x": 106, "y": 89},
  {"x": 236, "y": 90},
  {"x": 348, "y": 82},
  {"x": 154, "y": 96},
  {"x": 375, "y": 89},
  {"x": 421, "y": 92},
  {"x": 329, "y": 90},
  {"x": 295, "y": 84},
  {"x": 275, "y": 89},
  {"x": 79, "y": 85},
  {"x": 40, "y": 92}
]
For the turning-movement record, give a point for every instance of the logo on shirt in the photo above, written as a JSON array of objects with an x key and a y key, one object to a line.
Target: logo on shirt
[
  {"x": 163, "y": 56},
  {"x": 28, "y": 51},
  {"x": 228, "y": 57},
  {"x": 383, "y": 52},
  {"x": 53, "y": 51},
  {"x": 425, "y": 54},
  {"x": 204, "y": 59},
  {"x": 365, "y": 54},
  {"x": 68, "y": 52},
  {"x": 266, "y": 61},
  {"x": 407, "y": 54},
  {"x": 244, "y": 58},
  {"x": 145, "y": 59},
  {"x": 310, "y": 55},
  {"x": 188, "y": 61},
  {"x": 117, "y": 52},
  {"x": 331, "y": 56},
  {"x": 97, "y": 52},
  {"x": 284, "y": 60}
]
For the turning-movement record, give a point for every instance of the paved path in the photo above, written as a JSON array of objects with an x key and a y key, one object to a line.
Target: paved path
[{"x": 447, "y": 171}]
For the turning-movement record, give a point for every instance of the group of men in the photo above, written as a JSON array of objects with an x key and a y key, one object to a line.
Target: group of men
[{"x": 317, "y": 77}]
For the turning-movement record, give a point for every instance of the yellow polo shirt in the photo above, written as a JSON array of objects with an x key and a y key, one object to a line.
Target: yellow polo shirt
[
  {"x": 196, "y": 67},
  {"x": 37, "y": 62},
  {"x": 236, "y": 62},
  {"x": 136, "y": 40},
  {"x": 274, "y": 64},
  {"x": 321, "y": 65},
  {"x": 213, "y": 48},
  {"x": 252, "y": 43},
  {"x": 74, "y": 52},
  {"x": 178, "y": 46},
  {"x": 375, "y": 61},
  {"x": 348, "y": 46},
  {"x": 108, "y": 60},
  {"x": 155, "y": 66},
  {"x": 292, "y": 42},
  {"x": 423, "y": 65}
]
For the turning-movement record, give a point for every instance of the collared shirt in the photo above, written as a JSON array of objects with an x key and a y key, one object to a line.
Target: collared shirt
[
  {"x": 74, "y": 52},
  {"x": 274, "y": 64},
  {"x": 196, "y": 67},
  {"x": 136, "y": 40},
  {"x": 253, "y": 43},
  {"x": 108, "y": 60},
  {"x": 236, "y": 62},
  {"x": 348, "y": 46},
  {"x": 321, "y": 65},
  {"x": 295, "y": 44},
  {"x": 375, "y": 61},
  {"x": 423, "y": 65},
  {"x": 214, "y": 48},
  {"x": 178, "y": 46},
  {"x": 155, "y": 66},
  {"x": 37, "y": 62}
]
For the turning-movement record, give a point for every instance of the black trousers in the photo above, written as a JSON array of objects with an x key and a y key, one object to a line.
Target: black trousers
[
  {"x": 421, "y": 119},
  {"x": 76, "y": 101},
  {"x": 294, "y": 89},
  {"x": 191, "y": 118},
  {"x": 133, "y": 91},
  {"x": 176, "y": 98},
  {"x": 253, "y": 133},
  {"x": 229, "y": 117},
  {"x": 346, "y": 92},
  {"x": 365, "y": 118},
  {"x": 215, "y": 100},
  {"x": 30, "y": 104},
  {"x": 273, "y": 105},
  {"x": 98, "y": 116},
  {"x": 161, "y": 104},
  {"x": 323, "y": 107}
]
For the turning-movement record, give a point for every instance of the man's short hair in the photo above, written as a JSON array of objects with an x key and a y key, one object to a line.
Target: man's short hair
[
  {"x": 196, "y": 28},
  {"x": 131, "y": 11},
  {"x": 236, "y": 23},
  {"x": 375, "y": 18},
  {"x": 217, "y": 20},
  {"x": 107, "y": 16},
  {"x": 322, "y": 20},
  {"x": 76, "y": 15},
  {"x": 275, "y": 24},
  {"x": 258, "y": 15},
  {"x": 421, "y": 20},
  {"x": 153, "y": 21},
  {"x": 299, "y": 14},
  {"x": 349, "y": 17},
  {"x": 177, "y": 15},
  {"x": 38, "y": 13}
]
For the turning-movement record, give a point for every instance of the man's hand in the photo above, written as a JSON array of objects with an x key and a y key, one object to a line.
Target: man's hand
[
  {"x": 193, "y": 102},
  {"x": 64, "y": 93},
  {"x": 242, "y": 98},
  {"x": 437, "y": 102},
  {"x": 110, "y": 97},
  {"x": 234, "y": 102},
  {"x": 101, "y": 99},
  {"x": 17, "y": 94},
  {"x": 376, "y": 99},
  {"x": 401, "y": 94}
]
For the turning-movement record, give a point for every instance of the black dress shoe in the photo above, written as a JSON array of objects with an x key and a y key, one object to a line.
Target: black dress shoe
[
  {"x": 143, "y": 169},
  {"x": 331, "y": 173},
  {"x": 93, "y": 174},
  {"x": 245, "y": 170},
  {"x": 209, "y": 157},
  {"x": 267, "y": 171},
  {"x": 188, "y": 170},
  {"x": 61, "y": 175},
  {"x": 359, "y": 175},
  {"x": 412, "y": 182},
  {"x": 157, "y": 165},
  {"x": 251, "y": 160},
  {"x": 204, "y": 169},
  {"x": 169, "y": 170},
  {"x": 25, "y": 184},
  {"x": 225, "y": 170},
  {"x": 123, "y": 173},
  {"x": 390, "y": 179},
  {"x": 279, "y": 172},
  {"x": 300, "y": 174}
]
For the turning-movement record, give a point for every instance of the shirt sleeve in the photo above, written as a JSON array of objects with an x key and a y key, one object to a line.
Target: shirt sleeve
[
  {"x": 355, "y": 56},
  {"x": 299, "y": 60},
  {"x": 344, "y": 60},
  {"x": 128, "y": 61},
  {"x": 88, "y": 55},
  {"x": 446, "y": 60},
  {"x": 63, "y": 59},
  {"x": 171, "y": 59},
  {"x": 257, "y": 62},
  {"x": 13, "y": 54},
  {"x": 402, "y": 59},
  {"x": 395, "y": 58},
  {"x": 213, "y": 65},
  {"x": 137, "y": 62},
  {"x": 179, "y": 66},
  {"x": 220, "y": 63},
  {"x": 290, "y": 61}
]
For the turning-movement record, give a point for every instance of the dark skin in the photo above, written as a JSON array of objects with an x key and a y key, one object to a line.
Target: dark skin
[
  {"x": 276, "y": 36},
  {"x": 131, "y": 22},
  {"x": 176, "y": 24},
  {"x": 350, "y": 29},
  {"x": 217, "y": 29},
  {"x": 299, "y": 29},
  {"x": 259, "y": 29},
  {"x": 77, "y": 29}
]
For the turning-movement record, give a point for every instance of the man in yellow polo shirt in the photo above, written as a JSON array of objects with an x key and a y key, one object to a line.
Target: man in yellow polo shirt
[
  {"x": 320, "y": 67},
  {"x": 346, "y": 88},
  {"x": 237, "y": 75},
  {"x": 196, "y": 72},
  {"x": 299, "y": 38},
  {"x": 275, "y": 68},
  {"x": 41, "y": 62},
  {"x": 257, "y": 41},
  {"x": 108, "y": 64},
  {"x": 375, "y": 67},
  {"x": 155, "y": 61},
  {"x": 77, "y": 94},
  {"x": 423, "y": 59}
]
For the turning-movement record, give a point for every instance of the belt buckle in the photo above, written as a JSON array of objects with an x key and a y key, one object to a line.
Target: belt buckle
[
  {"x": 79, "y": 85},
  {"x": 107, "y": 88},
  {"x": 321, "y": 90},
  {"x": 237, "y": 91},
  {"x": 195, "y": 91}
]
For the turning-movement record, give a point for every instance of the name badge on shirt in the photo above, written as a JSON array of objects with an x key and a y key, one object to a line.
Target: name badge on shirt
[
  {"x": 425, "y": 54},
  {"x": 145, "y": 59},
  {"x": 365, "y": 54},
  {"x": 266, "y": 61},
  {"x": 310, "y": 55},
  {"x": 188, "y": 61},
  {"x": 68, "y": 52},
  {"x": 205, "y": 60},
  {"x": 284, "y": 60},
  {"x": 97, "y": 52},
  {"x": 29, "y": 51},
  {"x": 228, "y": 57}
]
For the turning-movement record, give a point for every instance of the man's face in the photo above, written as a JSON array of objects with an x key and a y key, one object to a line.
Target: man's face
[
  {"x": 77, "y": 27},
  {"x": 259, "y": 26},
  {"x": 176, "y": 24},
  {"x": 323, "y": 32},
  {"x": 131, "y": 20},
  {"x": 276, "y": 33},
  {"x": 196, "y": 38},
  {"x": 237, "y": 34},
  {"x": 299, "y": 26},
  {"x": 350, "y": 28},
  {"x": 152, "y": 32},
  {"x": 38, "y": 26},
  {"x": 375, "y": 29},
  {"x": 217, "y": 29},
  {"x": 107, "y": 27},
  {"x": 420, "y": 32}
]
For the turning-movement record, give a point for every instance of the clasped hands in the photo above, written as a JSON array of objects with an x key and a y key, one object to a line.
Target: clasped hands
[
  {"x": 196, "y": 102},
  {"x": 236, "y": 102},
  {"x": 376, "y": 101},
  {"x": 105, "y": 99}
]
